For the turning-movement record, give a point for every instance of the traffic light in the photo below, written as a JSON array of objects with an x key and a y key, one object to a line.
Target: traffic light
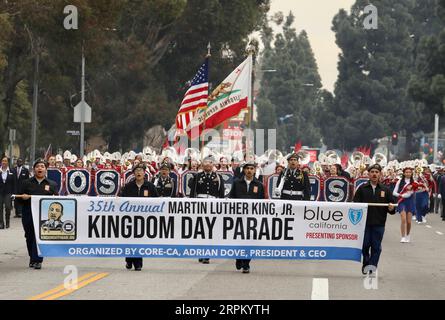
[{"x": 395, "y": 138}]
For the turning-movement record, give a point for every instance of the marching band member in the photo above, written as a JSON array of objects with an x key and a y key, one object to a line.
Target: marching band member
[
  {"x": 295, "y": 185},
  {"x": 164, "y": 184},
  {"x": 51, "y": 162},
  {"x": 422, "y": 196},
  {"x": 224, "y": 164},
  {"x": 247, "y": 188},
  {"x": 207, "y": 184},
  {"x": 139, "y": 187},
  {"x": 59, "y": 163},
  {"x": 79, "y": 164},
  {"x": 404, "y": 190}
]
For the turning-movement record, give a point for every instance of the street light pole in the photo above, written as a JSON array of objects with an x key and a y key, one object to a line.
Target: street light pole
[{"x": 34, "y": 108}]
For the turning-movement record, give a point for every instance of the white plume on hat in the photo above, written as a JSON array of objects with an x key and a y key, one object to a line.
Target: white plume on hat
[{"x": 67, "y": 155}]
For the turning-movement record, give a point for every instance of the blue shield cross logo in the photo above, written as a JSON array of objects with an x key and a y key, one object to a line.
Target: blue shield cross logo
[{"x": 355, "y": 216}]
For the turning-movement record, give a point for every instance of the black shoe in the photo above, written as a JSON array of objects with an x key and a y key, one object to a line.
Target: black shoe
[
  {"x": 246, "y": 270},
  {"x": 137, "y": 268},
  {"x": 17, "y": 216},
  {"x": 200, "y": 260},
  {"x": 363, "y": 270},
  {"x": 128, "y": 265},
  {"x": 2, "y": 226},
  {"x": 37, "y": 265},
  {"x": 7, "y": 225},
  {"x": 31, "y": 264},
  {"x": 205, "y": 261},
  {"x": 238, "y": 264}
]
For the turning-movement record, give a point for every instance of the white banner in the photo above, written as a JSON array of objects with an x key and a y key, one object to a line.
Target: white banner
[{"x": 198, "y": 228}]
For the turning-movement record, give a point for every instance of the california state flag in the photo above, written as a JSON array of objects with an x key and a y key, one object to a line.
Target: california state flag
[{"x": 226, "y": 101}]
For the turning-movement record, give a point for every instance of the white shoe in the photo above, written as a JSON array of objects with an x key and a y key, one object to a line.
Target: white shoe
[
  {"x": 414, "y": 218},
  {"x": 424, "y": 220},
  {"x": 419, "y": 222},
  {"x": 403, "y": 240},
  {"x": 407, "y": 239}
]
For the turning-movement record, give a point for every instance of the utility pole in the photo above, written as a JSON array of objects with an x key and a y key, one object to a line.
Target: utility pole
[{"x": 34, "y": 107}]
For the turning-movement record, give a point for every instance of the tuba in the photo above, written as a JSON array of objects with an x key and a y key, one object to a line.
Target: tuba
[{"x": 379, "y": 158}]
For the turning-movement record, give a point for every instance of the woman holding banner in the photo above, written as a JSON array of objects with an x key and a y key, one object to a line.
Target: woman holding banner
[{"x": 405, "y": 191}]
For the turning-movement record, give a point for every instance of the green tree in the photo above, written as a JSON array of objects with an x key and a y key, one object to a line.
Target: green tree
[
  {"x": 371, "y": 94},
  {"x": 292, "y": 90}
]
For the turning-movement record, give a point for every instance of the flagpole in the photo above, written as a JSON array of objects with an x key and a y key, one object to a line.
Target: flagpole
[
  {"x": 209, "y": 47},
  {"x": 251, "y": 50}
]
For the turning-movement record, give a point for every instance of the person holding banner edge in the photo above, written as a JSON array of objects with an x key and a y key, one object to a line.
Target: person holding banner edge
[
  {"x": 139, "y": 187},
  {"x": 247, "y": 188},
  {"x": 374, "y": 192},
  {"x": 37, "y": 185}
]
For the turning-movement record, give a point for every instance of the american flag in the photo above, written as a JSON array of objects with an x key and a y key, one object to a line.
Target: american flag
[{"x": 195, "y": 97}]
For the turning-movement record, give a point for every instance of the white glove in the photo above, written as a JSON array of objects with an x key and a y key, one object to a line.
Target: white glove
[
  {"x": 406, "y": 195},
  {"x": 439, "y": 196}
]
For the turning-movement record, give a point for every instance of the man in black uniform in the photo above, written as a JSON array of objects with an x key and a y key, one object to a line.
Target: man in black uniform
[
  {"x": 164, "y": 184},
  {"x": 21, "y": 174},
  {"x": 374, "y": 192},
  {"x": 37, "y": 185},
  {"x": 139, "y": 187},
  {"x": 7, "y": 188},
  {"x": 296, "y": 184},
  {"x": 248, "y": 187},
  {"x": 207, "y": 184}
]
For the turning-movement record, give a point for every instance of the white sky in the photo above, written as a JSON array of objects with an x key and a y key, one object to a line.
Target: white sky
[{"x": 315, "y": 16}]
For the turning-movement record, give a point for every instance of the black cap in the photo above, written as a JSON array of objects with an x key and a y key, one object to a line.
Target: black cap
[
  {"x": 164, "y": 165},
  {"x": 139, "y": 166},
  {"x": 376, "y": 167},
  {"x": 38, "y": 161}
]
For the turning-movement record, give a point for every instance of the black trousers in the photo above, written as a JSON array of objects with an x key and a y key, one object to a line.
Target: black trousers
[
  {"x": 137, "y": 262},
  {"x": 245, "y": 263},
  {"x": 5, "y": 201},
  {"x": 18, "y": 208},
  {"x": 31, "y": 242}
]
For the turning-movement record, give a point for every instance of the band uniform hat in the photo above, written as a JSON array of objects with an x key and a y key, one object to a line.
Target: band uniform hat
[
  {"x": 375, "y": 166},
  {"x": 209, "y": 159},
  {"x": 293, "y": 156}
]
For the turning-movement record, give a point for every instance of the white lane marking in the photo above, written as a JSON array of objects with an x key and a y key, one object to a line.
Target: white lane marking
[
  {"x": 428, "y": 226},
  {"x": 320, "y": 289},
  {"x": 439, "y": 233}
]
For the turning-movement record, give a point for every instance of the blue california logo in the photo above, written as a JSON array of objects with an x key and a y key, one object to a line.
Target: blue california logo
[{"x": 355, "y": 216}]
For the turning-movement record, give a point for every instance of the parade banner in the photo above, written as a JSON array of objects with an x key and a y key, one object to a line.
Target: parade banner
[
  {"x": 107, "y": 182},
  {"x": 315, "y": 187},
  {"x": 359, "y": 181},
  {"x": 56, "y": 175},
  {"x": 228, "y": 181},
  {"x": 175, "y": 177},
  {"x": 77, "y": 182},
  {"x": 198, "y": 228},
  {"x": 186, "y": 176},
  {"x": 271, "y": 184},
  {"x": 336, "y": 189}
]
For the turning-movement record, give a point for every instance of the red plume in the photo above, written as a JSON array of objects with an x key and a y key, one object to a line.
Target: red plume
[{"x": 297, "y": 146}]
